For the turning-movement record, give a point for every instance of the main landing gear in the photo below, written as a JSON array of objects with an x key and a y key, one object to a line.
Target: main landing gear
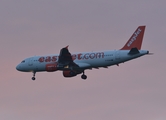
[
  {"x": 33, "y": 78},
  {"x": 83, "y": 76}
]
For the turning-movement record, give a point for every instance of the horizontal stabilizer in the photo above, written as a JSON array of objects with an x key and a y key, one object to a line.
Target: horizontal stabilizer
[{"x": 133, "y": 51}]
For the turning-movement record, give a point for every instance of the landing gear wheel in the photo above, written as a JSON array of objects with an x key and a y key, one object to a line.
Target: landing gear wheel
[
  {"x": 33, "y": 78},
  {"x": 84, "y": 77}
]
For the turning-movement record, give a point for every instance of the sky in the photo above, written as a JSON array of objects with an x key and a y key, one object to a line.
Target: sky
[{"x": 134, "y": 90}]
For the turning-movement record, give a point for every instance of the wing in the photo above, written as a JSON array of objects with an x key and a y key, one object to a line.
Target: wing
[
  {"x": 68, "y": 66},
  {"x": 65, "y": 60}
]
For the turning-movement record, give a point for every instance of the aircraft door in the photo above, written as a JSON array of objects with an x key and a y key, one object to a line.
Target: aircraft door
[
  {"x": 117, "y": 55},
  {"x": 30, "y": 63}
]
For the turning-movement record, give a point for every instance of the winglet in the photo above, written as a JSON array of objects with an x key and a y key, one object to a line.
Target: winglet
[
  {"x": 67, "y": 47},
  {"x": 135, "y": 40}
]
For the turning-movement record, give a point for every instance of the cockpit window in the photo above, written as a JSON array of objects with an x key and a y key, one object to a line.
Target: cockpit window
[{"x": 23, "y": 61}]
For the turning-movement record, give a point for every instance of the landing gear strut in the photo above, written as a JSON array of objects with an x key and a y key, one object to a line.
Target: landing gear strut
[
  {"x": 83, "y": 76},
  {"x": 33, "y": 78}
]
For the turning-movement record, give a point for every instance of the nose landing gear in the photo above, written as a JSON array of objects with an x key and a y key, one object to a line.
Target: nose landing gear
[
  {"x": 33, "y": 78},
  {"x": 83, "y": 76}
]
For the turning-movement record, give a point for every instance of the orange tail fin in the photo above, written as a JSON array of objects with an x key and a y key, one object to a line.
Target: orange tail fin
[{"x": 135, "y": 40}]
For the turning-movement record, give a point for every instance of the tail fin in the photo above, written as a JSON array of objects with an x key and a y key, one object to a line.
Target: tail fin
[{"x": 135, "y": 40}]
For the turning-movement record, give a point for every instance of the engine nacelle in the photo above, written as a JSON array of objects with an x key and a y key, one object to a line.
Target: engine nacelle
[
  {"x": 69, "y": 73},
  {"x": 51, "y": 67}
]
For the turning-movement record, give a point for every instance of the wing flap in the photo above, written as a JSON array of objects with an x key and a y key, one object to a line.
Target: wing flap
[{"x": 84, "y": 65}]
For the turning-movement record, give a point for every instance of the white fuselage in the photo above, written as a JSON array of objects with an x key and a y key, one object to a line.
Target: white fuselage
[{"x": 86, "y": 60}]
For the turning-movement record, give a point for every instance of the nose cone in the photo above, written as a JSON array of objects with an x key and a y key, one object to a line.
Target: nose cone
[{"x": 18, "y": 67}]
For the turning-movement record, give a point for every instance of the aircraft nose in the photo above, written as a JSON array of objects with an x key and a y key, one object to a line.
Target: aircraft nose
[{"x": 18, "y": 67}]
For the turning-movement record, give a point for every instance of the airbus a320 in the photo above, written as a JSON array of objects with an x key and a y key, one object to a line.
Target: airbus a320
[{"x": 73, "y": 64}]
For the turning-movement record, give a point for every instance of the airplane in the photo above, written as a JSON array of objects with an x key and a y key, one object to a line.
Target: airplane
[{"x": 73, "y": 64}]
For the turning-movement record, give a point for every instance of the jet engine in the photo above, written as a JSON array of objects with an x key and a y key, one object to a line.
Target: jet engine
[
  {"x": 69, "y": 73},
  {"x": 51, "y": 67}
]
